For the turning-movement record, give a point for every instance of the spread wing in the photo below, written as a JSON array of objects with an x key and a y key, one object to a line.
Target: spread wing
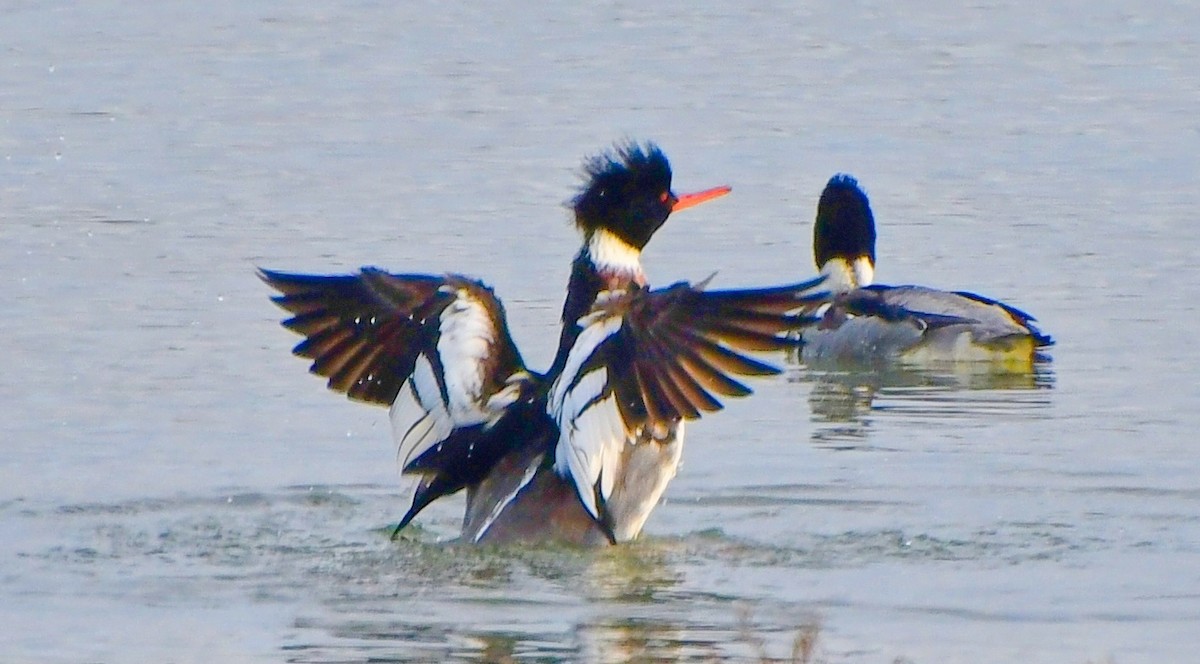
[
  {"x": 434, "y": 348},
  {"x": 647, "y": 360}
]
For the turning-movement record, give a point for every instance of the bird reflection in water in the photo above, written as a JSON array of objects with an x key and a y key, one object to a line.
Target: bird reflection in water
[{"x": 845, "y": 399}]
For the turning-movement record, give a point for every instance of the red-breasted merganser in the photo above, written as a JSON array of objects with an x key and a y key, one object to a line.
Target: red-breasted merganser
[
  {"x": 869, "y": 322},
  {"x": 583, "y": 452}
]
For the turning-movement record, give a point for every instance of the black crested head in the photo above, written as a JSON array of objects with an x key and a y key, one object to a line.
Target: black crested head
[
  {"x": 845, "y": 227},
  {"x": 627, "y": 193}
]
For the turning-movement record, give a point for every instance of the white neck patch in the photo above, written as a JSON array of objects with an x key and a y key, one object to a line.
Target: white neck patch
[
  {"x": 842, "y": 276},
  {"x": 610, "y": 253}
]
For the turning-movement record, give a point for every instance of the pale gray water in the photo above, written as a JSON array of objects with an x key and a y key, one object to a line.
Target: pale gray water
[{"x": 174, "y": 487}]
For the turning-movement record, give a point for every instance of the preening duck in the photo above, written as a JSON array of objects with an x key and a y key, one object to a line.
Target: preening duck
[
  {"x": 583, "y": 452},
  {"x": 868, "y": 322}
]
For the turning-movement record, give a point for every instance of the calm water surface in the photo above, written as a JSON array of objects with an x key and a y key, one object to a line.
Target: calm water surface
[{"x": 174, "y": 487}]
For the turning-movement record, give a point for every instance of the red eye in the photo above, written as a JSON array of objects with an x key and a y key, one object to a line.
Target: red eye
[{"x": 664, "y": 196}]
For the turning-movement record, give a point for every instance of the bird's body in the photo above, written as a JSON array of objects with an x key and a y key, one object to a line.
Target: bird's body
[
  {"x": 583, "y": 452},
  {"x": 869, "y": 323}
]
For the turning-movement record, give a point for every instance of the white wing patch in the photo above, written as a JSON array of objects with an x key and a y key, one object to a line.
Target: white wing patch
[
  {"x": 592, "y": 433},
  {"x": 595, "y": 330},
  {"x": 466, "y": 337},
  {"x": 424, "y": 420},
  {"x": 466, "y": 340}
]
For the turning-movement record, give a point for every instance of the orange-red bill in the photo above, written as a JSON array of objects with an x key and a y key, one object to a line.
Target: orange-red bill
[{"x": 690, "y": 200}]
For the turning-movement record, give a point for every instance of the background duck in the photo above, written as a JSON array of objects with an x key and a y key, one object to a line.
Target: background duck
[{"x": 869, "y": 323}]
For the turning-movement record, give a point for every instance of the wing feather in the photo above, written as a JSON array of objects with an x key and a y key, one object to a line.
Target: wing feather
[
  {"x": 697, "y": 397},
  {"x": 711, "y": 377},
  {"x": 724, "y": 358}
]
